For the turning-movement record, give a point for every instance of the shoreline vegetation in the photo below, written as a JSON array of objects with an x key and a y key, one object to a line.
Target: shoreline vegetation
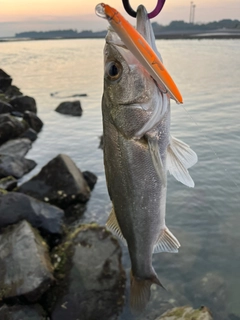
[{"x": 223, "y": 29}]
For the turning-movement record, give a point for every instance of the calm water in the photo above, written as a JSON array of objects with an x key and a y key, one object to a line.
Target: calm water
[{"x": 206, "y": 219}]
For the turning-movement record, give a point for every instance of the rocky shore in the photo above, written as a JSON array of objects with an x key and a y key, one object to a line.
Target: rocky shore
[{"x": 48, "y": 268}]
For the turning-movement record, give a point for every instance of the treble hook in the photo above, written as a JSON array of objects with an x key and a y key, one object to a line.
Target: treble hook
[{"x": 151, "y": 15}]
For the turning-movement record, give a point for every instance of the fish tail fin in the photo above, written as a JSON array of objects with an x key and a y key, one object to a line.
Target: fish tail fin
[{"x": 140, "y": 292}]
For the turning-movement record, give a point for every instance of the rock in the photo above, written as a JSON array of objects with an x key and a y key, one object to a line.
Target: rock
[
  {"x": 21, "y": 312},
  {"x": 59, "y": 182},
  {"x": 70, "y": 107},
  {"x": 186, "y": 313},
  {"x": 17, "y": 147},
  {"x": 74, "y": 212},
  {"x": 90, "y": 276},
  {"x": 5, "y": 107},
  {"x": 5, "y": 80},
  {"x": 15, "y": 166},
  {"x": 7, "y": 131},
  {"x": 25, "y": 268},
  {"x": 29, "y": 134},
  {"x": 101, "y": 142},
  {"x": 17, "y": 114},
  {"x": 90, "y": 178},
  {"x": 10, "y": 127},
  {"x": 32, "y": 119},
  {"x": 8, "y": 183},
  {"x": 12, "y": 92},
  {"x": 23, "y": 103},
  {"x": 15, "y": 207}
]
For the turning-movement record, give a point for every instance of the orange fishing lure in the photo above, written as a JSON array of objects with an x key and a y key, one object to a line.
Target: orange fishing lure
[{"x": 140, "y": 48}]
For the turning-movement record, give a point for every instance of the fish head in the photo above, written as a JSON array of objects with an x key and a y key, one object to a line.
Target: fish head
[
  {"x": 130, "y": 93},
  {"x": 125, "y": 79}
]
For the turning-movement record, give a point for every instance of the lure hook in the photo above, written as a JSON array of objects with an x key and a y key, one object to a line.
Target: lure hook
[{"x": 151, "y": 15}]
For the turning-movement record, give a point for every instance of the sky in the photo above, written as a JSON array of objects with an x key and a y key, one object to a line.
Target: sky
[{"x": 42, "y": 15}]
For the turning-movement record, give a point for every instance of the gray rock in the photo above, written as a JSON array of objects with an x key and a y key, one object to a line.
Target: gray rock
[
  {"x": 70, "y": 107},
  {"x": 15, "y": 166},
  {"x": 12, "y": 91},
  {"x": 59, "y": 182},
  {"x": 16, "y": 147},
  {"x": 7, "y": 131},
  {"x": 29, "y": 134},
  {"x": 90, "y": 178},
  {"x": 10, "y": 127},
  {"x": 5, "y": 80},
  {"x": 5, "y": 107},
  {"x": 25, "y": 268},
  {"x": 21, "y": 312},
  {"x": 32, "y": 119},
  {"x": 101, "y": 142},
  {"x": 74, "y": 212},
  {"x": 186, "y": 313},
  {"x": 15, "y": 207},
  {"x": 8, "y": 183},
  {"x": 91, "y": 278},
  {"x": 23, "y": 103}
]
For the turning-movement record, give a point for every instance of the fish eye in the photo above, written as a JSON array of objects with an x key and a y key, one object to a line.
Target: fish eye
[{"x": 113, "y": 70}]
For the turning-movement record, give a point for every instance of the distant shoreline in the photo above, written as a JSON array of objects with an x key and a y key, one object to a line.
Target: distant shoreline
[{"x": 160, "y": 36}]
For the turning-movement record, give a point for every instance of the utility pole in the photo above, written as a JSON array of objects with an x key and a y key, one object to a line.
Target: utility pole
[
  {"x": 193, "y": 12},
  {"x": 190, "y": 16}
]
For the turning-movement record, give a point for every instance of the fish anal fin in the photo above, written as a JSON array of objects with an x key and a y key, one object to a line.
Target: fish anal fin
[
  {"x": 166, "y": 242},
  {"x": 113, "y": 226}
]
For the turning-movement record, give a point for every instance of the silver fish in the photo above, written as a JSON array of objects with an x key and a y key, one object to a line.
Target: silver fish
[{"x": 138, "y": 152}]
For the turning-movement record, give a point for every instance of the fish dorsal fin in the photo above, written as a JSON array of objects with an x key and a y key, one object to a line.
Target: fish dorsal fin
[
  {"x": 113, "y": 226},
  {"x": 180, "y": 157},
  {"x": 156, "y": 158},
  {"x": 166, "y": 242}
]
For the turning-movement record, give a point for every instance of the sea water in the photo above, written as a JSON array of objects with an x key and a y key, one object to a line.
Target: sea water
[{"x": 206, "y": 219}]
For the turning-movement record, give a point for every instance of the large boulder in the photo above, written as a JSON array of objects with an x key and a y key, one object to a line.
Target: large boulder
[
  {"x": 25, "y": 268},
  {"x": 15, "y": 166},
  {"x": 5, "y": 107},
  {"x": 21, "y": 312},
  {"x": 15, "y": 207},
  {"x": 91, "y": 280},
  {"x": 72, "y": 108},
  {"x": 186, "y": 313},
  {"x": 32, "y": 119},
  {"x": 59, "y": 182},
  {"x": 16, "y": 147},
  {"x": 23, "y": 103},
  {"x": 5, "y": 80}
]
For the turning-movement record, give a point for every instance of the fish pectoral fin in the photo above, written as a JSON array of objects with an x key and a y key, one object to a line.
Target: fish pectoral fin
[
  {"x": 180, "y": 157},
  {"x": 183, "y": 152},
  {"x": 113, "y": 226},
  {"x": 166, "y": 242},
  {"x": 156, "y": 158}
]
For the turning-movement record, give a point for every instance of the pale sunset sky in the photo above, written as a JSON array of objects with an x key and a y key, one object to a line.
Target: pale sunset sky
[{"x": 42, "y": 15}]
